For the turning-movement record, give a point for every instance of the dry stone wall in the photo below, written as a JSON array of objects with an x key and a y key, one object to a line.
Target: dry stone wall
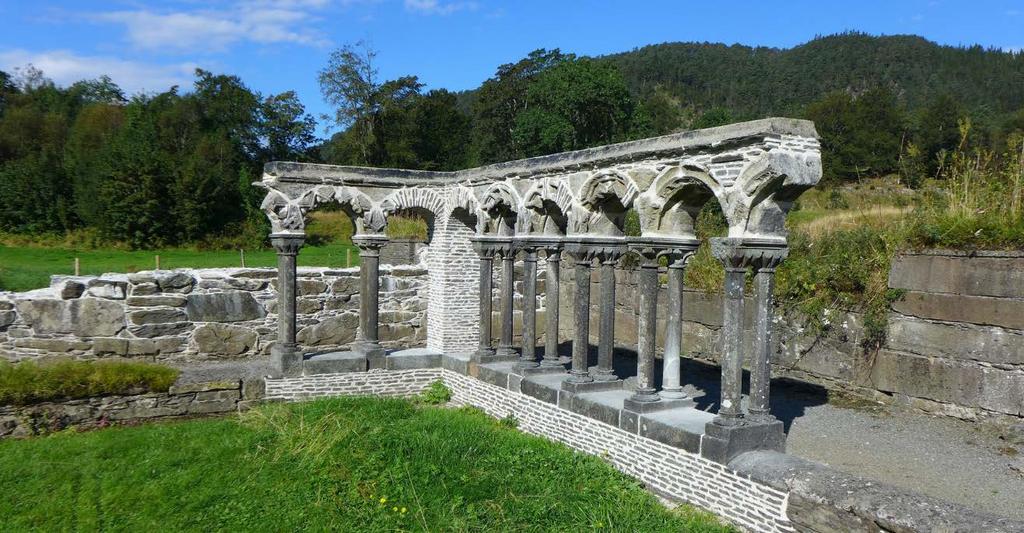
[{"x": 203, "y": 314}]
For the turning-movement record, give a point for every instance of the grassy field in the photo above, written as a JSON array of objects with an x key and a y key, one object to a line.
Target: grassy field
[{"x": 350, "y": 464}]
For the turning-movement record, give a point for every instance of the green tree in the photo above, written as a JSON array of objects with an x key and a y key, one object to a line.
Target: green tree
[
  {"x": 576, "y": 104},
  {"x": 286, "y": 130}
]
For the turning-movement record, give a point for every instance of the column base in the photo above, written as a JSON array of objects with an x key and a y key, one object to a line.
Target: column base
[
  {"x": 506, "y": 351},
  {"x": 604, "y": 375},
  {"x": 285, "y": 361},
  {"x": 673, "y": 393},
  {"x": 484, "y": 356},
  {"x": 376, "y": 357},
  {"x": 723, "y": 443},
  {"x": 633, "y": 406},
  {"x": 576, "y": 387},
  {"x": 543, "y": 369},
  {"x": 645, "y": 396}
]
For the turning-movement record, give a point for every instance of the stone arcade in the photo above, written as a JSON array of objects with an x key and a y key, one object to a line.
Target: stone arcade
[{"x": 572, "y": 204}]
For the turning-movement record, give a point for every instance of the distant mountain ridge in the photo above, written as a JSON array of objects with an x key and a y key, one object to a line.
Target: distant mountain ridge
[{"x": 758, "y": 81}]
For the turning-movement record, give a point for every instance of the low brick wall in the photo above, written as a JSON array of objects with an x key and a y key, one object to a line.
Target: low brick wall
[
  {"x": 203, "y": 314},
  {"x": 184, "y": 400}
]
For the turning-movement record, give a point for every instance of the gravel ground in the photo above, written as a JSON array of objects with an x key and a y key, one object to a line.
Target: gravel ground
[{"x": 941, "y": 457}]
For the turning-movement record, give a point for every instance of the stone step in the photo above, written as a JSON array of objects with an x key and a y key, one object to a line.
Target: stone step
[{"x": 334, "y": 363}]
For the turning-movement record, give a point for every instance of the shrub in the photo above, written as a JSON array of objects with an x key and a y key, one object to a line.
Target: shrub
[
  {"x": 29, "y": 382},
  {"x": 437, "y": 393}
]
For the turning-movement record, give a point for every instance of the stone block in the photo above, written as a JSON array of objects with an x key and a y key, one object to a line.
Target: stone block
[
  {"x": 224, "y": 339},
  {"x": 139, "y": 278},
  {"x": 345, "y": 286},
  {"x": 412, "y": 358},
  {"x": 175, "y": 281},
  {"x": 155, "y": 346},
  {"x": 167, "y": 300},
  {"x": 235, "y": 306},
  {"x": 53, "y": 345},
  {"x": 148, "y": 331},
  {"x": 111, "y": 290},
  {"x": 334, "y": 363},
  {"x": 205, "y": 386},
  {"x": 955, "y": 341},
  {"x": 157, "y": 316},
  {"x": 332, "y": 331},
  {"x": 256, "y": 273},
  {"x": 1001, "y": 277},
  {"x": 1002, "y": 391},
  {"x": 722, "y": 444},
  {"x": 70, "y": 289},
  {"x": 307, "y": 306},
  {"x": 926, "y": 377},
  {"x": 144, "y": 289},
  {"x": 7, "y": 318},
  {"x": 110, "y": 346},
  {"x": 396, "y": 332},
  {"x": 253, "y": 389},
  {"x": 982, "y": 310},
  {"x": 85, "y": 317},
  {"x": 306, "y": 287},
  {"x": 251, "y": 285}
]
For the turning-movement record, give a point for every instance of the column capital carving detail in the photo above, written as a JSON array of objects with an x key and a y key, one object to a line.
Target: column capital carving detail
[
  {"x": 287, "y": 243},
  {"x": 741, "y": 254},
  {"x": 651, "y": 249},
  {"x": 369, "y": 244}
]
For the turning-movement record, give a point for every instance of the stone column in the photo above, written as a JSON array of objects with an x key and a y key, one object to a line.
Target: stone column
[
  {"x": 647, "y": 286},
  {"x": 606, "y": 333},
  {"x": 528, "y": 354},
  {"x": 486, "y": 253},
  {"x": 286, "y": 360},
  {"x": 765, "y": 261},
  {"x": 551, "y": 309},
  {"x": 671, "y": 381},
  {"x": 730, "y": 253},
  {"x": 508, "y": 257},
  {"x": 369, "y": 291},
  {"x": 581, "y": 316}
]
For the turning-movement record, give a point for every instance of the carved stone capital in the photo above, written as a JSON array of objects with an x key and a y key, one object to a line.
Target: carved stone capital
[
  {"x": 484, "y": 247},
  {"x": 287, "y": 243},
  {"x": 650, "y": 249},
  {"x": 741, "y": 254},
  {"x": 369, "y": 244}
]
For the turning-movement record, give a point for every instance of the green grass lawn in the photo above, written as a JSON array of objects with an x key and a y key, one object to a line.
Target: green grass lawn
[
  {"x": 29, "y": 267},
  {"x": 349, "y": 464}
]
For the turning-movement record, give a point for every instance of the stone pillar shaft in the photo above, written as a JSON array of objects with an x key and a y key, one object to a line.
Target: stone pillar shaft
[
  {"x": 551, "y": 288},
  {"x": 730, "y": 411},
  {"x": 581, "y": 321},
  {"x": 647, "y": 285},
  {"x": 486, "y": 279},
  {"x": 369, "y": 294},
  {"x": 528, "y": 355},
  {"x": 508, "y": 257},
  {"x": 760, "y": 371},
  {"x": 671, "y": 382},
  {"x": 606, "y": 327},
  {"x": 286, "y": 359}
]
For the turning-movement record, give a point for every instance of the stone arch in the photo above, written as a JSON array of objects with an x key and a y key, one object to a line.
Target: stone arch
[
  {"x": 671, "y": 204},
  {"x": 422, "y": 202},
  {"x": 500, "y": 205},
  {"x": 542, "y": 214},
  {"x": 766, "y": 190},
  {"x": 605, "y": 197}
]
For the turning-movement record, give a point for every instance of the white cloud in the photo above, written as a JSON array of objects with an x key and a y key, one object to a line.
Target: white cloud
[
  {"x": 436, "y": 7},
  {"x": 258, "y": 21},
  {"x": 65, "y": 67}
]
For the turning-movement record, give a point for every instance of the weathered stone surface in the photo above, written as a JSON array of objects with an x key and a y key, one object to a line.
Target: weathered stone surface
[
  {"x": 926, "y": 377},
  {"x": 306, "y": 287},
  {"x": 86, "y": 317},
  {"x": 959, "y": 274},
  {"x": 137, "y": 278},
  {"x": 395, "y": 332},
  {"x": 7, "y": 318},
  {"x": 204, "y": 386},
  {"x": 345, "y": 286},
  {"x": 110, "y": 346},
  {"x": 214, "y": 402},
  {"x": 233, "y": 306},
  {"x": 160, "y": 330},
  {"x": 167, "y": 300},
  {"x": 157, "y": 316},
  {"x": 155, "y": 346},
  {"x": 234, "y": 284},
  {"x": 111, "y": 290},
  {"x": 175, "y": 281},
  {"x": 262, "y": 273},
  {"x": 982, "y": 310},
  {"x": 955, "y": 341},
  {"x": 224, "y": 339},
  {"x": 145, "y": 289},
  {"x": 70, "y": 289},
  {"x": 342, "y": 302},
  {"x": 6, "y": 305},
  {"x": 330, "y": 331},
  {"x": 53, "y": 345},
  {"x": 308, "y": 306}
]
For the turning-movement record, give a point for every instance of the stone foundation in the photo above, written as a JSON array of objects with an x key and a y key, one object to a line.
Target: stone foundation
[{"x": 203, "y": 314}]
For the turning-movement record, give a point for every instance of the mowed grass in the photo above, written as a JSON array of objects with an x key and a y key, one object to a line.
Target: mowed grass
[
  {"x": 29, "y": 267},
  {"x": 349, "y": 464}
]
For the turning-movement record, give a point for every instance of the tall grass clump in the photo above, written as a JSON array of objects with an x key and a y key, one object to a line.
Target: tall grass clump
[
  {"x": 976, "y": 200},
  {"x": 29, "y": 382}
]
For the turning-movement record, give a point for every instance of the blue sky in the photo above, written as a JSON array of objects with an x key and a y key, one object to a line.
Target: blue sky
[{"x": 277, "y": 45}]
